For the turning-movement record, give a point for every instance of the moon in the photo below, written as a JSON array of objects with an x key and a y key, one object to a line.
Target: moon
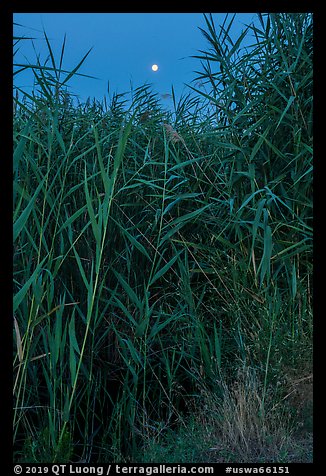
[{"x": 155, "y": 67}]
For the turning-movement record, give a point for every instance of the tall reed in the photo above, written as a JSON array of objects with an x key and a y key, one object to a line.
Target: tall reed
[{"x": 154, "y": 249}]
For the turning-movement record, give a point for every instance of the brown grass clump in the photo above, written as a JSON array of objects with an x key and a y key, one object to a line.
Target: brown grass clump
[
  {"x": 246, "y": 427},
  {"x": 244, "y": 424}
]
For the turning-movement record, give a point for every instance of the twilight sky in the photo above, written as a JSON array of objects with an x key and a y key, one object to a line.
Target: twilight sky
[{"x": 124, "y": 48}]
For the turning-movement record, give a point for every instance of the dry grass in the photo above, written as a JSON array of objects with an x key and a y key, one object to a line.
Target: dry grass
[
  {"x": 172, "y": 134},
  {"x": 245, "y": 428},
  {"x": 235, "y": 428}
]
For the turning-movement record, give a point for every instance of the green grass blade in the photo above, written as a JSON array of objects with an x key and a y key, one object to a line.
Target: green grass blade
[
  {"x": 164, "y": 269},
  {"x": 20, "y": 295},
  {"x": 130, "y": 292},
  {"x": 20, "y": 222}
]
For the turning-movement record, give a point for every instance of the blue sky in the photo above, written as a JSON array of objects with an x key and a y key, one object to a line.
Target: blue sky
[{"x": 124, "y": 47}]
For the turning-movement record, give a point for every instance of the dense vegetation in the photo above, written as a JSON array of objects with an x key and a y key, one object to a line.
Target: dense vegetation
[{"x": 163, "y": 260}]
